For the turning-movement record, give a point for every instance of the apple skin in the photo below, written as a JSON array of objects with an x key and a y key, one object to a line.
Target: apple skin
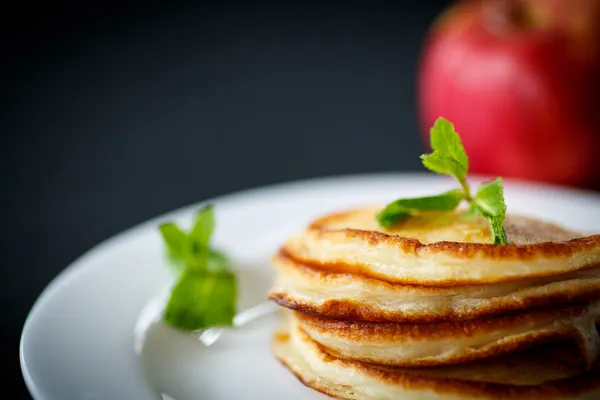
[{"x": 520, "y": 80}]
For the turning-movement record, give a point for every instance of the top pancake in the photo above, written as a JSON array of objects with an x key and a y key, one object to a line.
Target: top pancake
[{"x": 441, "y": 249}]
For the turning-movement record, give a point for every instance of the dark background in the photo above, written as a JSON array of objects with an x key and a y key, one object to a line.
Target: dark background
[{"x": 112, "y": 114}]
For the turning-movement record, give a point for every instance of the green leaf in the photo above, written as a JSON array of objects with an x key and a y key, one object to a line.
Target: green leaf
[
  {"x": 389, "y": 218},
  {"x": 449, "y": 156},
  {"x": 445, "y": 141},
  {"x": 203, "y": 226},
  {"x": 205, "y": 293},
  {"x": 202, "y": 299},
  {"x": 444, "y": 165},
  {"x": 175, "y": 239},
  {"x": 489, "y": 203},
  {"x": 490, "y": 197},
  {"x": 401, "y": 208}
]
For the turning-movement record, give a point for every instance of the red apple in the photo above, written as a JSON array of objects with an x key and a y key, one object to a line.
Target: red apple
[{"x": 520, "y": 80}]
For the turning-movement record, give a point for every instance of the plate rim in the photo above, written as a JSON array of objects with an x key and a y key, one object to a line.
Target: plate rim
[{"x": 77, "y": 266}]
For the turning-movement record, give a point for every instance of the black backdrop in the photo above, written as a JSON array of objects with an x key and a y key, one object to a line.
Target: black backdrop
[{"x": 114, "y": 114}]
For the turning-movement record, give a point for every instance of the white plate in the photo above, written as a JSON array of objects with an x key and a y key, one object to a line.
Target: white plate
[{"x": 78, "y": 340}]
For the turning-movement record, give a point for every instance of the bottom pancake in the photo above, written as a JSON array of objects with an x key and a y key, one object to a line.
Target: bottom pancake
[{"x": 549, "y": 372}]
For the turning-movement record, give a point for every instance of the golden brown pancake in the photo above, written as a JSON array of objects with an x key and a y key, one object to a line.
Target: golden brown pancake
[
  {"x": 344, "y": 295},
  {"x": 541, "y": 373},
  {"x": 431, "y": 309},
  {"x": 441, "y": 249},
  {"x": 419, "y": 345}
]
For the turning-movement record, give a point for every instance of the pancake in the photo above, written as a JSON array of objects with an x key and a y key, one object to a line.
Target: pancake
[
  {"x": 344, "y": 295},
  {"x": 441, "y": 249},
  {"x": 541, "y": 373},
  {"x": 419, "y": 345},
  {"x": 429, "y": 308}
]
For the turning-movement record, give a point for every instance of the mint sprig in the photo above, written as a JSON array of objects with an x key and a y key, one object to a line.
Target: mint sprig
[
  {"x": 449, "y": 158},
  {"x": 205, "y": 293}
]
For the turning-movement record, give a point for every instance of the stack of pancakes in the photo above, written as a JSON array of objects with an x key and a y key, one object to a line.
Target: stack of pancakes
[{"x": 430, "y": 309}]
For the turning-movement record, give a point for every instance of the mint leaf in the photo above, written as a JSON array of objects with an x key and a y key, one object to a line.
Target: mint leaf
[
  {"x": 175, "y": 239},
  {"x": 203, "y": 226},
  {"x": 389, "y": 217},
  {"x": 202, "y": 299},
  {"x": 401, "y": 208},
  {"x": 444, "y": 165},
  {"x": 490, "y": 197},
  {"x": 449, "y": 156},
  {"x": 446, "y": 141},
  {"x": 205, "y": 293},
  {"x": 196, "y": 249},
  {"x": 489, "y": 203}
]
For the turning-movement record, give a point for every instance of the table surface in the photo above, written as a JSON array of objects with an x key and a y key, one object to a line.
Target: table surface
[{"x": 111, "y": 117}]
